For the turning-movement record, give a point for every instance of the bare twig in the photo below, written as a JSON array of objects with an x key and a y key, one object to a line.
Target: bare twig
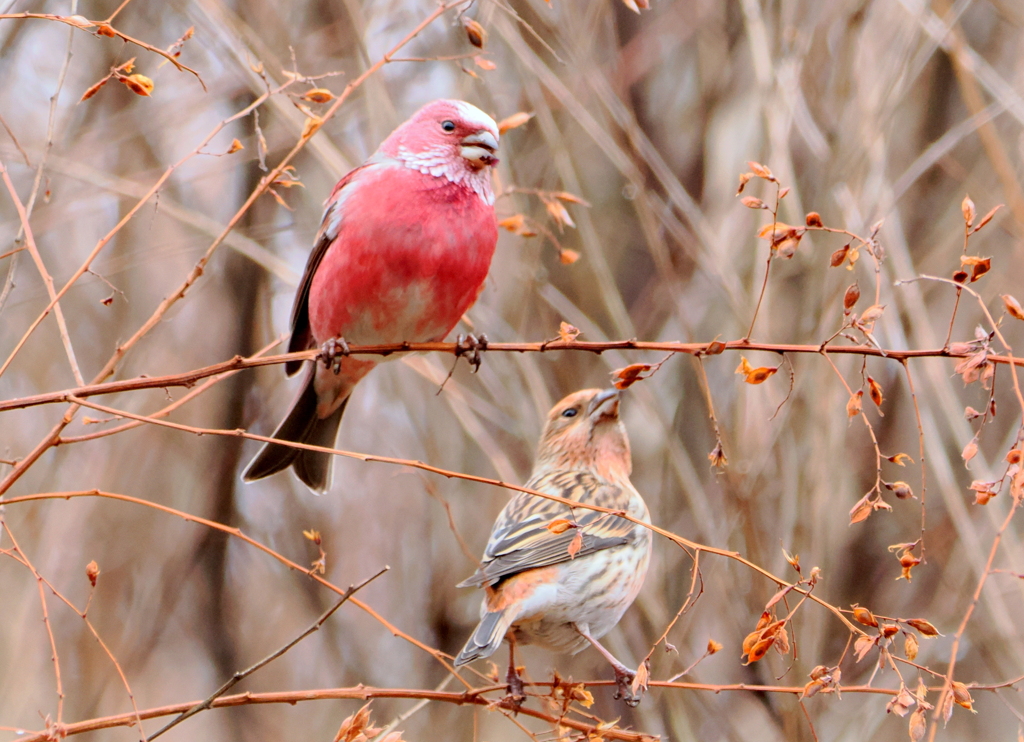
[{"x": 242, "y": 674}]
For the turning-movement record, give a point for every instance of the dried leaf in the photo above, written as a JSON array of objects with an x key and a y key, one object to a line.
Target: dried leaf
[
  {"x": 755, "y": 375},
  {"x": 475, "y": 33},
  {"x": 92, "y": 571},
  {"x": 907, "y": 562},
  {"x": 754, "y": 203},
  {"x": 581, "y": 695},
  {"x": 988, "y": 217},
  {"x": 969, "y": 452},
  {"x": 104, "y": 29},
  {"x": 902, "y": 490},
  {"x": 813, "y": 219},
  {"x": 864, "y": 616},
  {"x": 559, "y": 525},
  {"x": 514, "y": 223},
  {"x": 861, "y": 510},
  {"x": 962, "y": 696},
  {"x": 567, "y": 257},
  {"x": 717, "y": 456},
  {"x": 918, "y": 725},
  {"x": 875, "y": 390},
  {"x": 714, "y": 348},
  {"x": 96, "y": 88},
  {"x": 311, "y": 126},
  {"x": 761, "y": 171},
  {"x": 851, "y": 296},
  {"x": 318, "y": 95},
  {"x": 625, "y": 377},
  {"x": 356, "y": 727},
  {"x": 778, "y": 231},
  {"x": 567, "y": 333},
  {"x": 570, "y": 197},
  {"x": 967, "y": 207},
  {"x": 559, "y": 213},
  {"x": 901, "y": 703},
  {"x": 484, "y": 64},
  {"x": 713, "y": 647},
  {"x": 853, "y": 407},
  {"x": 782, "y": 642},
  {"x": 313, "y": 536},
  {"x": 1011, "y": 305},
  {"x": 575, "y": 545},
  {"x": 872, "y": 313},
  {"x": 744, "y": 179},
  {"x": 862, "y": 646},
  {"x": 514, "y": 121},
  {"x": 235, "y": 147},
  {"x": 924, "y": 627},
  {"x": 900, "y": 458},
  {"x": 839, "y": 256},
  {"x": 643, "y": 674},
  {"x": 910, "y": 647},
  {"x": 138, "y": 84}
]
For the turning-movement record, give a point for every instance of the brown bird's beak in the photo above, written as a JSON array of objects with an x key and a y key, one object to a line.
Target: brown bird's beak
[
  {"x": 479, "y": 148},
  {"x": 605, "y": 406}
]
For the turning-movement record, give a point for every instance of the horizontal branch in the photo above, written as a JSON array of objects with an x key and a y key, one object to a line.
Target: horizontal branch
[
  {"x": 189, "y": 378},
  {"x": 475, "y": 698},
  {"x": 359, "y": 693}
]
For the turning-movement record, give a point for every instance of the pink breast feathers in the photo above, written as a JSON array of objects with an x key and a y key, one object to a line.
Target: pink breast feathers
[{"x": 412, "y": 263}]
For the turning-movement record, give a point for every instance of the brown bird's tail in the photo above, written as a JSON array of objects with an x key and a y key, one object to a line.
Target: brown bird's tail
[
  {"x": 487, "y": 637},
  {"x": 300, "y": 426}
]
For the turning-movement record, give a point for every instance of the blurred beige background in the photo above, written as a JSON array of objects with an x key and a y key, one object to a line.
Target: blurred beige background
[{"x": 650, "y": 118}]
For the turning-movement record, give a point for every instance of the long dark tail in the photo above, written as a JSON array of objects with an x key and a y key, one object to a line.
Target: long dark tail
[
  {"x": 487, "y": 637},
  {"x": 300, "y": 426}
]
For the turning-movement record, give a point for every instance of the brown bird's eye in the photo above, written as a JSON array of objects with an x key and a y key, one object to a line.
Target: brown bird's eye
[
  {"x": 571, "y": 412},
  {"x": 448, "y": 125}
]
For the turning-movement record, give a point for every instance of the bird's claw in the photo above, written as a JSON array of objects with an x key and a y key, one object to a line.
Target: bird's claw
[
  {"x": 516, "y": 690},
  {"x": 624, "y": 678},
  {"x": 331, "y": 353},
  {"x": 470, "y": 346}
]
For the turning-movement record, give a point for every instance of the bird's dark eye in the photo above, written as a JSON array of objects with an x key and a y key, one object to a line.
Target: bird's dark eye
[
  {"x": 448, "y": 125},
  {"x": 571, "y": 412}
]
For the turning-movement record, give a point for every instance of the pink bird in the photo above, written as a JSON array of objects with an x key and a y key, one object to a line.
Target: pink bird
[{"x": 403, "y": 250}]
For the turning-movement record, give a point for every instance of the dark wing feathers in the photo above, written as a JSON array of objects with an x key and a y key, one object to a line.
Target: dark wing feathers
[
  {"x": 302, "y": 337},
  {"x": 521, "y": 539}
]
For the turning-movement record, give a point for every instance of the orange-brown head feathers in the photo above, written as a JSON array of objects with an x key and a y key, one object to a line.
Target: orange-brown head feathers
[{"x": 583, "y": 432}]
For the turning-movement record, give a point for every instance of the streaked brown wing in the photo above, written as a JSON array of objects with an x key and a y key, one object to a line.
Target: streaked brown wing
[
  {"x": 521, "y": 539},
  {"x": 302, "y": 337}
]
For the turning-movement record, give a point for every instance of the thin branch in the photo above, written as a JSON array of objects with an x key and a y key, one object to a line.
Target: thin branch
[
  {"x": 30, "y": 244},
  {"x": 85, "y": 24},
  {"x": 189, "y": 378},
  {"x": 371, "y": 458},
  {"x": 240, "y": 676},
  {"x": 358, "y": 693},
  {"x": 237, "y": 533}
]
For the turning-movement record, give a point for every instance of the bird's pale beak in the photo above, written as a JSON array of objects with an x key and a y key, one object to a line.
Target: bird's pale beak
[
  {"x": 604, "y": 406},
  {"x": 479, "y": 148}
]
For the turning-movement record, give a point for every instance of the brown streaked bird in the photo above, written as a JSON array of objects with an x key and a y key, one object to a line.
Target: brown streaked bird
[{"x": 562, "y": 577}]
